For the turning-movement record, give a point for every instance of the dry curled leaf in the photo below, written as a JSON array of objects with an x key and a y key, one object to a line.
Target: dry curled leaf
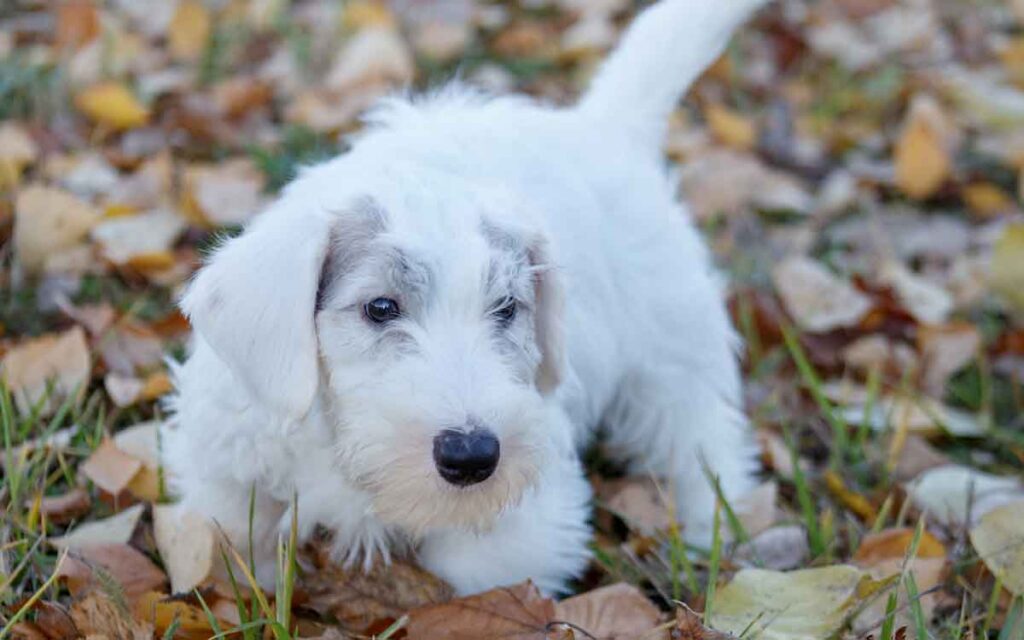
[
  {"x": 999, "y": 540},
  {"x": 48, "y": 221},
  {"x": 92, "y": 566},
  {"x": 817, "y": 299},
  {"x": 110, "y": 469},
  {"x": 60, "y": 360},
  {"x": 357, "y": 598},
  {"x": 616, "y": 612},
  {"x": 923, "y": 156},
  {"x": 516, "y": 613},
  {"x": 98, "y": 616},
  {"x": 64, "y": 508}
]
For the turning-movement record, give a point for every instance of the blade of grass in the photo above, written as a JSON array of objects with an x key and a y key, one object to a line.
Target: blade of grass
[
  {"x": 993, "y": 604},
  {"x": 33, "y": 599},
  {"x": 804, "y": 498},
  {"x": 713, "y": 565},
  {"x": 840, "y": 429}
]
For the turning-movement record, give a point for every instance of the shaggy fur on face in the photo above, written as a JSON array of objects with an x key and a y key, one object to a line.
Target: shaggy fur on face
[{"x": 544, "y": 282}]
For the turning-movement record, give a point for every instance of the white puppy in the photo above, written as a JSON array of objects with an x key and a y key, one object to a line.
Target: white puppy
[{"x": 419, "y": 335}]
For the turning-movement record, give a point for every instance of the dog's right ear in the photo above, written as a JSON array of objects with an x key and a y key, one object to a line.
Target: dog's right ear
[{"x": 254, "y": 303}]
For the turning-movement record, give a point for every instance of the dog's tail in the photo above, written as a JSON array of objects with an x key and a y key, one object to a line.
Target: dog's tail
[{"x": 665, "y": 49}]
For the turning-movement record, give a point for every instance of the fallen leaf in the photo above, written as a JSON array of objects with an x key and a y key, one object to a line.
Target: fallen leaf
[
  {"x": 876, "y": 352},
  {"x": 999, "y": 540},
  {"x": 986, "y": 200},
  {"x": 850, "y": 499},
  {"x": 127, "y": 237},
  {"x": 639, "y": 501},
  {"x": 778, "y": 548},
  {"x": 689, "y": 626},
  {"x": 945, "y": 350},
  {"x": 111, "y": 104},
  {"x": 799, "y": 605},
  {"x": 884, "y": 555},
  {"x": 356, "y": 598},
  {"x": 97, "y": 616},
  {"x": 110, "y": 469},
  {"x": 187, "y": 545},
  {"x": 130, "y": 347},
  {"x": 927, "y": 301},
  {"x": 61, "y": 359},
  {"x": 48, "y": 221},
  {"x": 730, "y": 127},
  {"x": 1007, "y": 270},
  {"x": 90, "y": 567},
  {"x": 375, "y": 55},
  {"x": 223, "y": 195},
  {"x": 66, "y": 507},
  {"x": 922, "y": 155},
  {"x": 816, "y": 299},
  {"x": 77, "y": 23},
  {"x": 756, "y": 509},
  {"x": 518, "y": 612},
  {"x": 55, "y": 621},
  {"x": 189, "y": 32},
  {"x": 117, "y": 529},
  {"x": 162, "y": 613},
  {"x": 915, "y": 457},
  {"x": 123, "y": 390},
  {"x": 616, "y": 612},
  {"x": 726, "y": 182},
  {"x": 953, "y": 492},
  {"x": 17, "y": 151}
]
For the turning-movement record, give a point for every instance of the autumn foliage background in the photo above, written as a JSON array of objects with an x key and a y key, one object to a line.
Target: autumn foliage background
[{"x": 857, "y": 167}]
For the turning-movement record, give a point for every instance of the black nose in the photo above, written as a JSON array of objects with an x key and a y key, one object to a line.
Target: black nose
[{"x": 466, "y": 458}]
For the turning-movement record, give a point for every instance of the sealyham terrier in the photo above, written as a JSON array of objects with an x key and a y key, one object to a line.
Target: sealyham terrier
[{"x": 420, "y": 335}]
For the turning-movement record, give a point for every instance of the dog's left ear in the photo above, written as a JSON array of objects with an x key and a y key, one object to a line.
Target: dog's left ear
[
  {"x": 253, "y": 303},
  {"x": 550, "y": 302}
]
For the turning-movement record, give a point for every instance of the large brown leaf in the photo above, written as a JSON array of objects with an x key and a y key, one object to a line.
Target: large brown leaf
[
  {"x": 616, "y": 612},
  {"x": 519, "y": 613}
]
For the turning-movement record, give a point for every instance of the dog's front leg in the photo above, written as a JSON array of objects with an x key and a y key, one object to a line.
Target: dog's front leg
[{"x": 544, "y": 538}]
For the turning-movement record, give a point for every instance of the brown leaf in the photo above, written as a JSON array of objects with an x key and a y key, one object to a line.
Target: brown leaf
[
  {"x": 98, "y": 615},
  {"x": 64, "y": 508},
  {"x": 55, "y": 621},
  {"x": 77, "y": 22},
  {"x": 946, "y": 349},
  {"x": 818, "y": 300},
  {"x": 690, "y": 627},
  {"x": 226, "y": 194},
  {"x": 922, "y": 156},
  {"x": 48, "y": 221},
  {"x": 27, "y": 631},
  {"x": 110, "y": 469},
  {"x": 615, "y": 612},
  {"x": 29, "y": 368},
  {"x": 357, "y": 598},
  {"x": 518, "y": 612},
  {"x": 129, "y": 567},
  {"x": 638, "y": 501}
]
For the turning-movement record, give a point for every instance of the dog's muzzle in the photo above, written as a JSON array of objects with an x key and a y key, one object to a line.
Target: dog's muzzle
[{"x": 463, "y": 459}]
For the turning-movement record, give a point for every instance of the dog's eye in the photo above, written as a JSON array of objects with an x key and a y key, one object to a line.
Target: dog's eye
[
  {"x": 381, "y": 310},
  {"x": 506, "y": 311}
]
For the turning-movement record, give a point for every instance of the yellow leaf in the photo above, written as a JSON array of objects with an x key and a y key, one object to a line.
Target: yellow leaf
[
  {"x": 1013, "y": 59},
  {"x": 361, "y": 14},
  {"x": 17, "y": 150},
  {"x": 986, "y": 199},
  {"x": 157, "y": 384},
  {"x": 113, "y": 105},
  {"x": 731, "y": 128},
  {"x": 151, "y": 261},
  {"x": 1007, "y": 271},
  {"x": 999, "y": 540},
  {"x": 922, "y": 154},
  {"x": 852, "y": 500},
  {"x": 799, "y": 605},
  {"x": 189, "y": 30}
]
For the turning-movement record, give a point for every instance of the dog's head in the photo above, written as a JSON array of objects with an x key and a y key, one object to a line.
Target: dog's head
[{"x": 424, "y": 315}]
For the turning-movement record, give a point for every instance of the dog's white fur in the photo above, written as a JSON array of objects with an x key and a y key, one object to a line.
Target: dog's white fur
[{"x": 450, "y": 204}]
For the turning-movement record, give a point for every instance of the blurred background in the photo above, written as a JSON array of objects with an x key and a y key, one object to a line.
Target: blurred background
[{"x": 855, "y": 165}]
